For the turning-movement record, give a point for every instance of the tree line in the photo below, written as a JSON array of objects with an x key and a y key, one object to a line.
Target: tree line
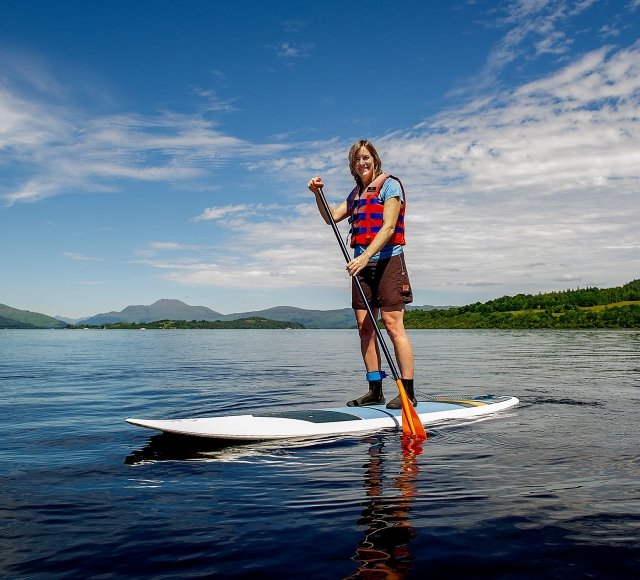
[
  {"x": 567, "y": 309},
  {"x": 254, "y": 322}
]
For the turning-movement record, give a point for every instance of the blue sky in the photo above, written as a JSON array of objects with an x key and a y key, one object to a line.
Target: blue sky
[{"x": 161, "y": 150}]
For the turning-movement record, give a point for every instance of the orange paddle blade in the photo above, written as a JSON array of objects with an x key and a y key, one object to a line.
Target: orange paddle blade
[{"x": 411, "y": 424}]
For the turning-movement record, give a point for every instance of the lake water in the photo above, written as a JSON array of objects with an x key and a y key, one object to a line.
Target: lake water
[{"x": 550, "y": 489}]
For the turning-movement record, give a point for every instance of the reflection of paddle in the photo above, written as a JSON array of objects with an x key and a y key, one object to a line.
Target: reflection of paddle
[
  {"x": 411, "y": 424},
  {"x": 385, "y": 552},
  {"x": 411, "y": 447}
]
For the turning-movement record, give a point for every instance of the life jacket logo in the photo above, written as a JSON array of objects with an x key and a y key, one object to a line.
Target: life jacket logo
[{"x": 370, "y": 189}]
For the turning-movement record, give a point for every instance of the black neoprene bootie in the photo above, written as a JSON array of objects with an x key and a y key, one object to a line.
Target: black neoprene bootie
[
  {"x": 408, "y": 388},
  {"x": 373, "y": 397}
]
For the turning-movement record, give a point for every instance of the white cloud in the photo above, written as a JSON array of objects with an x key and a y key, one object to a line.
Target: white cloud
[
  {"x": 172, "y": 246},
  {"x": 82, "y": 257},
  {"x": 540, "y": 20},
  {"x": 288, "y": 50},
  {"x": 575, "y": 130},
  {"x": 65, "y": 153},
  {"x": 215, "y": 103},
  {"x": 606, "y": 31},
  {"x": 214, "y": 213}
]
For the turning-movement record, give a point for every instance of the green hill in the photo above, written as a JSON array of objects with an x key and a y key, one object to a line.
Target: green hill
[
  {"x": 617, "y": 307},
  {"x": 27, "y": 319},
  {"x": 10, "y": 323},
  {"x": 342, "y": 318}
]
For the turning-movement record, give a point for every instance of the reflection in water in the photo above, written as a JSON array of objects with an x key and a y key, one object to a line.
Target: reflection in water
[
  {"x": 384, "y": 551},
  {"x": 169, "y": 447}
]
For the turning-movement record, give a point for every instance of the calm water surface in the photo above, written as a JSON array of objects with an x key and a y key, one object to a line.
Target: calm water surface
[{"x": 550, "y": 489}]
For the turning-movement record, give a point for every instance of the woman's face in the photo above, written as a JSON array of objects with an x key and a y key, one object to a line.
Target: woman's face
[{"x": 363, "y": 165}]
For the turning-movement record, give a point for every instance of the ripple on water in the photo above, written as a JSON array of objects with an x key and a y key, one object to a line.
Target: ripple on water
[{"x": 546, "y": 490}]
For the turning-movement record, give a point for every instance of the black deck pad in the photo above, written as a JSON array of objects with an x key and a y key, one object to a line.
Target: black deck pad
[{"x": 313, "y": 416}]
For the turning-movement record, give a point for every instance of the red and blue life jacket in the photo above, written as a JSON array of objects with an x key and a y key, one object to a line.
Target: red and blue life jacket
[{"x": 365, "y": 213}]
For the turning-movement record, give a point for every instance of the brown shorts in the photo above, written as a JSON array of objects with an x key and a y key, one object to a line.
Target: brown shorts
[{"x": 385, "y": 283}]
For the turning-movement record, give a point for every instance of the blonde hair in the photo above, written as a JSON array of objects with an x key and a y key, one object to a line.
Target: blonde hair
[{"x": 377, "y": 162}]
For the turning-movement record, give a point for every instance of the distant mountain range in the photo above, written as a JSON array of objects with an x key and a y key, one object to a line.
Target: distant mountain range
[
  {"x": 177, "y": 310},
  {"x": 160, "y": 310},
  {"x": 68, "y": 320}
]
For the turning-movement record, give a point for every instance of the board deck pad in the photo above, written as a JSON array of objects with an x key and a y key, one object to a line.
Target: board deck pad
[{"x": 332, "y": 421}]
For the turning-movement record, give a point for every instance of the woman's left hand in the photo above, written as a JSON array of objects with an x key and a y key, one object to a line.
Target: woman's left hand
[{"x": 357, "y": 264}]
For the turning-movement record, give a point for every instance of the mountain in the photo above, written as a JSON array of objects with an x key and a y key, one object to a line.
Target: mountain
[
  {"x": 161, "y": 310},
  {"x": 177, "y": 310},
  {"x": 26, "y": 319},
  {"x": 342, "y": 318},
  {"x": 69, "y": 320}
]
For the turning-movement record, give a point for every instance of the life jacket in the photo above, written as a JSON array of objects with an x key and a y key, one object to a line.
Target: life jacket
[{"x": 365, "y": 213}]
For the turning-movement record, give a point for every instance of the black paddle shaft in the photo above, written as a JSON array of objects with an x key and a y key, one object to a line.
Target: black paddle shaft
[{"x": 345, "y": 253}]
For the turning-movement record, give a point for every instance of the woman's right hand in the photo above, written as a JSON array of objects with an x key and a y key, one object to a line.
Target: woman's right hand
[{"x": 315, "y": 184}]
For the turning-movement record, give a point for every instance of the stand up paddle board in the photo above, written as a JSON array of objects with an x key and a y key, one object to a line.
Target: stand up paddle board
[{"x": 332, "y": 421}]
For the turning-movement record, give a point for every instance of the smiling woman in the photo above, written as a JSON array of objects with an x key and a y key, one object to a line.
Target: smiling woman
[{"x": 375, "y": 210}]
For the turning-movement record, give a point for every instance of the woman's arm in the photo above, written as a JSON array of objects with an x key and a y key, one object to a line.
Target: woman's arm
[{"x": 339, "y": 213}]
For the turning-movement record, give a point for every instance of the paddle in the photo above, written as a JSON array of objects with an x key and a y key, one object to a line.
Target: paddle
[{"x": 411, "y": 424}]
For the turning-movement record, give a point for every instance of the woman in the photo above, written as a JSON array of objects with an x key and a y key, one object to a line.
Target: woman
[{"x": 375, "y": 209}]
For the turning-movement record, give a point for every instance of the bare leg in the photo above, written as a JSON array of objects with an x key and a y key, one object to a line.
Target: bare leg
[
  {"x": 393, "y": 318},
  {"x": 371, "y": 357},
  {"x": 368, "y": 342}
]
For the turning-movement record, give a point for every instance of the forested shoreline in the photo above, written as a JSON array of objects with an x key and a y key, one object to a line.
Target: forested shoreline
[{"x": 617, "y": 307}]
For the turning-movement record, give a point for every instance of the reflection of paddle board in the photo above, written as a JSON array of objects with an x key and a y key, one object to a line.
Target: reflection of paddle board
[{"x": 289, "y": 424}]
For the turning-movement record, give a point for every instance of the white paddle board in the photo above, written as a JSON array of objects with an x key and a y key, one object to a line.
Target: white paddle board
[{"x": 332, "y": 421}]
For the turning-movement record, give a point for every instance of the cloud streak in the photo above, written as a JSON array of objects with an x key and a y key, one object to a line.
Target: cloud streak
[
  {"x": 537, "y": 20},
  {"x": 66, "y": 154},
  {"x": 172, "y": 246},
  {"x": 81, "y": 257},
  {"x": 213, "y": 213},
  {"x": 289, "y": 51}
]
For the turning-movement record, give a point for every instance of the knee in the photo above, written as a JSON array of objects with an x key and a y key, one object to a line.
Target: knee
[
  {"x": 395, "y": 330},
  {"x": 366, "y": 331},
  {"x": 395, "y": 334}
]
